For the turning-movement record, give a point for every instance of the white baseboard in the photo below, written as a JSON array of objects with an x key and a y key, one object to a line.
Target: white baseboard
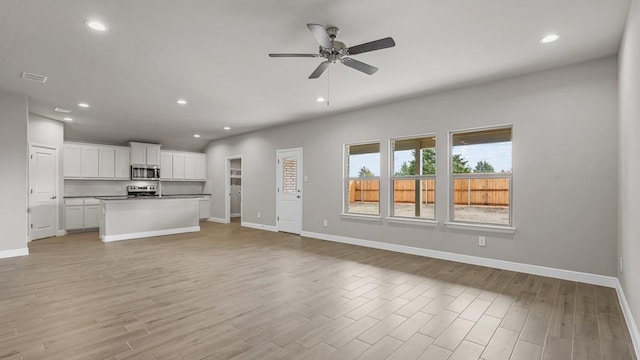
[
  {"x": 61, "y": 232},
  {"x": 594, "y": 279},
  {"x": 119, "y": 237},
  {"x": 628, "y": 316},
  {"x": 234, "y": 215},
  {"x": 13, "y": 253},
  {"x": 218, "y": 220},
  {"x": 259, "y": 226}
]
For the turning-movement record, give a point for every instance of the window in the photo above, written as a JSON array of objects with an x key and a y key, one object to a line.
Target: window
[
  {"x": 362, "y": 179},
  {"x": 413, "y": 167},
  {"x": 481, "y": 179}
]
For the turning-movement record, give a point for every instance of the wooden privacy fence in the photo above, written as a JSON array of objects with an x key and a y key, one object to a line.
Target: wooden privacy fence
[{"x": 494, "y": 192}]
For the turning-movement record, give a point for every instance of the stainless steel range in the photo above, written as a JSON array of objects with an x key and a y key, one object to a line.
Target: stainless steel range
[{"x": 142, "y": 191}]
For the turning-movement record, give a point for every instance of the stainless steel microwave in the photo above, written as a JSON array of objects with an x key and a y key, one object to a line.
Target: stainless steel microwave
[{"x": 145, "y": 172}]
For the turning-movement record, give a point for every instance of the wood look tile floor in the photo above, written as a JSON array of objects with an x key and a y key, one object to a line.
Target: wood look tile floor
[{"x": 235, "y": 293}]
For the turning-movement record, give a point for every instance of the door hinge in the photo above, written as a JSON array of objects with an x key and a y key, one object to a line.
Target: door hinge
[
  {"x": 31, "y": 156},
  {"x": 278, "y": 161},
  {"x": 278, "y": 189},
  {"x": 278, "y": 217},
  {"x": 32, "y": 226},
  {"x": 32, "y": 191}
]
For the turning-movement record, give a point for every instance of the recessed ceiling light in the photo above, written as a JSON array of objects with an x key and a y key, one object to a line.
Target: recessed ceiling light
[
  {"x": 83, "y": 105},
  {"x": 196, "y": 135},
  {"x": 320, "y": 99},
  {"x": 550, "y": 38},
  {"x": 68, "y": 119},
  {"x": 96, "y": 25},
  {"x": 181, "y": 102},
  {"x": 61, "y": 110},
  {"x": 227, "y": 128}
]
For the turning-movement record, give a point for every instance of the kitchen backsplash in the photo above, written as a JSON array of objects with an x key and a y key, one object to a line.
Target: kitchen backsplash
[{"x": 107, "y": 188}]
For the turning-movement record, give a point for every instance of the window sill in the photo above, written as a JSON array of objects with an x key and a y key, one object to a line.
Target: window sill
[
  {"x": 376, "y": 218},
  {"x": 418, "y": 222},
  {"x": 480, "y": 227}
]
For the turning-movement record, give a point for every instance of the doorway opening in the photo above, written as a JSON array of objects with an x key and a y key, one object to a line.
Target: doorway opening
[{"x": 233, "y": 212}]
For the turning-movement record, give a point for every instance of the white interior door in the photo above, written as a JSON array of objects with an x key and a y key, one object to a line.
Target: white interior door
[
  {"x": 289, "y": 190},
  {"x": 43, "y": 191}
]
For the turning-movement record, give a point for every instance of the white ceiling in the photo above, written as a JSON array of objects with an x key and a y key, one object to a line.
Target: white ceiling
[{"x": 214, "y": 54}]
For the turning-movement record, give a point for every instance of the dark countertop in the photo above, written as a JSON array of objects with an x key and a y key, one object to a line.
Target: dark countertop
[
  {"x": 139, "y": 198},
  {"x": 120, "y": 196}
]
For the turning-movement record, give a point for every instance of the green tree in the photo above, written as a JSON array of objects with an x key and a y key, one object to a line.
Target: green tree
[
  {"x": 365, "y": 172},
  {"x": 460, "y": 165},
  {"x": 483, "y": 167},
  {"x": 428, "y": 163}
]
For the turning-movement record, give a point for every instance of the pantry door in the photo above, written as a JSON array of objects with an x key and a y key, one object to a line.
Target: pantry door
[{"x": 43, "y": 192}]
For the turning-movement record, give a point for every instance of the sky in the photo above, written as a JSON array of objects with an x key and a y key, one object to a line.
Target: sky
[{"x": 499, "y": 155}]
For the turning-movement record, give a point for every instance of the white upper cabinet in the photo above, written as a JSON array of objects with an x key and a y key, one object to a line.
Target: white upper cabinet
[
  {"x": 166, "y": 165},
  {"x": 72, "y": 159},
  {"x": 107, "y": 162},
  {"x": 153, "y": 154},
  {"x": 145, "y": 154},
  {"x": 183, "y": 166},
  {"x": 178, "y": 167},
  {"x": 123, "y": 169},
  {"x": 90, "y": 161},
  {"x": 189, "y": 166},
  {"x": 201, "y": 167},
  {"x": 138, "y": 154}
]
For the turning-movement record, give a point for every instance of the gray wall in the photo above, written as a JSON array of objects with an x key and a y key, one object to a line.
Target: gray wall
[
  {"x": 13, "y": 162},
  {"x": 43, "y": 131},
  {"x": 629, "y": 206},
  {"x": 565, "y": 178}
]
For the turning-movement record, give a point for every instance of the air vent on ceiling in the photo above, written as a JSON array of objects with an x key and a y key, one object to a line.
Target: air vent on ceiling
[
  {"x": 34, "y": 77},
  {"x": 61, "y": 110}
]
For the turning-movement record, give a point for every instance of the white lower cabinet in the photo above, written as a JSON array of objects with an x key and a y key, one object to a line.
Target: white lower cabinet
[
  {"x": 74, "y": 217},
  {"x": 205, "y": 208},
  {"x": 82, "y": 213}
]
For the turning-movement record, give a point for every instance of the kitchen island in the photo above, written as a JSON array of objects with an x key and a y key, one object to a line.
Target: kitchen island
[{"x": 127, "y": 218}]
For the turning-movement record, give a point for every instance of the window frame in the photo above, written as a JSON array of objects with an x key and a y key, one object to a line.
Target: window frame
[
  {"x": 392, "y": 177},
  {"x": 346, "y": 178},
  {"x": 451, "y": 197}
]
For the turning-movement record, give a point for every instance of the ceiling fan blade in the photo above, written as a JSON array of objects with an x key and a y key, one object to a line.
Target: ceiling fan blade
[
  {"x": 319, "y": 70},
  {"x": 360, "y": 66},
  {"x": 294, "y": 55},
  {"x": 321, "y": 35},
  {"x": 372, "y": 45}
]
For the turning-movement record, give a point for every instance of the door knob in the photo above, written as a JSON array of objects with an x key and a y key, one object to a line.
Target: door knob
[
  {"x": 298, "y": 196},
  {"x": 54, "y": 197}
]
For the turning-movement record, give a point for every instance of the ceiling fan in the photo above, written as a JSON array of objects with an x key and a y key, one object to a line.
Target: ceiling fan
[{"x": 335, "y": 51}]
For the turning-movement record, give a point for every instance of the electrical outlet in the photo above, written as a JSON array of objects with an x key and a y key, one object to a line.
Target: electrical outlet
[
  {"x": 258, "y": 214},
  {"x": 326, "y": 223},
  {"x": 620, "y": 264},
  {"x": 482, "y": 241}
]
